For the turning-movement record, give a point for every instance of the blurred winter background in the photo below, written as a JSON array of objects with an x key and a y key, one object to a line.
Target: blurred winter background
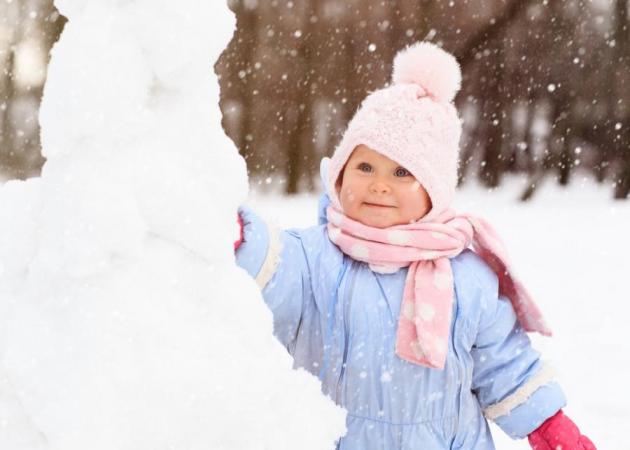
[
  {"x": 545, "y": 150},
  {"x": 546, "y": 90}
]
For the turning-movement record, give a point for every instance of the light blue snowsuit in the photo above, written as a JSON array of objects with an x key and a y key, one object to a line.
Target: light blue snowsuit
[{"x": 338, "y": 319}]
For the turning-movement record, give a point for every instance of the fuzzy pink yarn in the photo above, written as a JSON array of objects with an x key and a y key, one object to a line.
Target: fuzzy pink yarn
[
  {"x": 412, "y": 122},
  {"x": 428, "y": 66}
]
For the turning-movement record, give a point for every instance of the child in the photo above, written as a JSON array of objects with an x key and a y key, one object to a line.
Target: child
[{"x": 420, "y": 338}]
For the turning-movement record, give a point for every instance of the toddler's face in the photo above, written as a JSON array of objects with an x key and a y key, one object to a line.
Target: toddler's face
[{"x": 378, "y": 192}]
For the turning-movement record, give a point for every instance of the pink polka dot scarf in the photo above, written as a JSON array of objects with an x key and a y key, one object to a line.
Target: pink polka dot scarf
[{"x": 425, "y": 314}]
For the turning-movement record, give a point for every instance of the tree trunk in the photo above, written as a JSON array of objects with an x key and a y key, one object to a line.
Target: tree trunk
[
  {"x": 394, "y": 31},
  {"x": 7, "y": 145},
  {"x": 535, "y": 173},
  {"x": 622, "y": 186},
  {"x": 561, "y": 141},
  {"x": 494, "y": 117},
  {"x": 621, "y": 137},
  {"x": 300, "y": 143},
  {"x": 424, "y": 12},
  {"x": 249, "y": 29},
  {"x": 486, "y": 35}
]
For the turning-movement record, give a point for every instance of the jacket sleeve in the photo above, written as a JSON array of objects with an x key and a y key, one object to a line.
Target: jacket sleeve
[
  {"x": 514, "y": 388},
  {"x": 277, "y": 261}
]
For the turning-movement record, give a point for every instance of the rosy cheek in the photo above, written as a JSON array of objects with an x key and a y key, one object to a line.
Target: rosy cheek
[{"x": 415, "y": 186}]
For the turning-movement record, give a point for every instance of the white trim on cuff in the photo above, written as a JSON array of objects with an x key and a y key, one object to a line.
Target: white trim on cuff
[
  {"x": 272, "y": 259},
  {"x": 545, "y": 375}
]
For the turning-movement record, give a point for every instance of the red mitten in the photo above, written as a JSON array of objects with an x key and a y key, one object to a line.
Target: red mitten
[
  {"x": 239, "y": 241},
  {"x": 559, "y": 432}
]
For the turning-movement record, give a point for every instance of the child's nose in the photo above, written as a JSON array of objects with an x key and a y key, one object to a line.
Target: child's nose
[{"x": 379, "y": 187}]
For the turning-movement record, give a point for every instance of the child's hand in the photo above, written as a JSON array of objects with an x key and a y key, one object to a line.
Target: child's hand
[
  {"x": 559, "y": 432},
  {"x": 239, "y": 241}
]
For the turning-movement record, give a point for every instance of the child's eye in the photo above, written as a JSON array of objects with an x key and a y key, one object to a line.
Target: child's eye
[
  {"x": 401, "y": 172},
  {"x": 365, "y": 167}
]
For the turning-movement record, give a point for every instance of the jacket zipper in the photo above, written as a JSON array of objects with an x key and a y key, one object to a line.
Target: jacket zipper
[{"x": 348, "y": 301}]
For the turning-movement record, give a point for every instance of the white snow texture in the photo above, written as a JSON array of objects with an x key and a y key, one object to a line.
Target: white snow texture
[{"x": 124, "y": 321}]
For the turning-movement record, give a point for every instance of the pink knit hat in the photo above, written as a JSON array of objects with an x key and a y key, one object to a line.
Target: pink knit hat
[{"x": 413, "y": 122}]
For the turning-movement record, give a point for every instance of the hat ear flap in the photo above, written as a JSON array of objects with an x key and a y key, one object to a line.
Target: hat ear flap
[{"x": 324, "y": 166}]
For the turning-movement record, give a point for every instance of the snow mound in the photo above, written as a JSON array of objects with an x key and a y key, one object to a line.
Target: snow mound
[{"x": 124, "y": 321}]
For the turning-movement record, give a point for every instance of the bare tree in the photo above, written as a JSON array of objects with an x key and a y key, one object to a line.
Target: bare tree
[
  {"x": 300, "y": 142},
  {"x": 246, "y": 43},
  {"x": 493, "y": 107},
  {"x": 7, "y": 146},
  {"x": 621, "y": 127}
]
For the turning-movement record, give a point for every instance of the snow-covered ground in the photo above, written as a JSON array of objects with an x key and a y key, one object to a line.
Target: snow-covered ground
[{"x": 570, "y": 246}]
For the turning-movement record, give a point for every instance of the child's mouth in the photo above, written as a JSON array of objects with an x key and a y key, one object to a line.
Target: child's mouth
[{"x": 377, "y": 205}]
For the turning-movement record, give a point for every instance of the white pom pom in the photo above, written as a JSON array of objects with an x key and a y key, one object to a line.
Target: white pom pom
[{"x": 430, "y": 67}]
